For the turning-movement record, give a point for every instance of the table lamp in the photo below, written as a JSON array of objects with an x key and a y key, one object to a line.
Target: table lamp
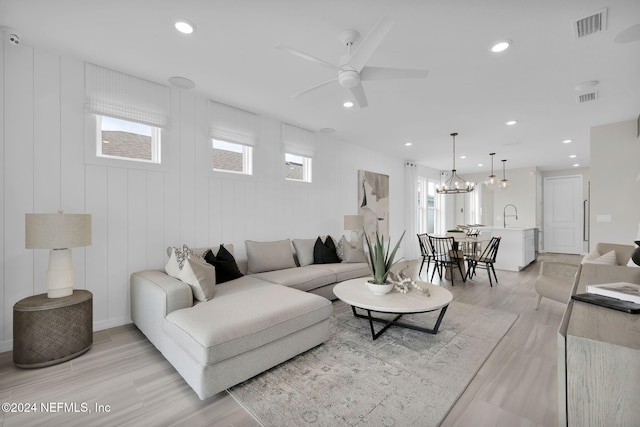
[
  {"x": 355, "y": 223},
  {"x": 58, "y": 232}
]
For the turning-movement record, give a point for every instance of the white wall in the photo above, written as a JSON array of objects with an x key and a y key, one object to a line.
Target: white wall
[
  {"x": 137, "y": 212},
  {"x": 615, "y": 165},
  {"x": 522, "y": 193}
]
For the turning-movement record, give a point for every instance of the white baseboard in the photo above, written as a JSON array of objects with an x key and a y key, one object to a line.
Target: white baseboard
[{"x": 7, "y": 345}]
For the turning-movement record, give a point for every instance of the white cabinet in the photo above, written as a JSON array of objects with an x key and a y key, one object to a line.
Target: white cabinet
[{"x": 517, "y": 247}]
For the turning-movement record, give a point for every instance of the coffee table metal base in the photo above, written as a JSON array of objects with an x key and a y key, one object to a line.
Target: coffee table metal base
[{"x": 394, "y": 321}]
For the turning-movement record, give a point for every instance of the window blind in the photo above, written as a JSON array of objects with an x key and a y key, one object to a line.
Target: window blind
[
  {"x": 115, "y": 94},
  {"x": 296, "y": 140},
  {"x": 232, "y": 124}
]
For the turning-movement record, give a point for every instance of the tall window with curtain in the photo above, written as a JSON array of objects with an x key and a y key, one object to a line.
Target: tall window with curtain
[
  {"x": 428, "y": 207},
  {"x": 130, "y": 114}
]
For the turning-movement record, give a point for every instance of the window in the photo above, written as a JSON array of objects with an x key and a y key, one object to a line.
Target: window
[
  {"x": 428, "y": 207},
  {"x": 231, "y": 157},
  {"x": 297, "y": 168},
  {"x": 122, "y": 139}
]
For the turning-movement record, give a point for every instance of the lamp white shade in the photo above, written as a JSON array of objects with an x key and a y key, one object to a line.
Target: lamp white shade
[
  {"x": 353, "y": 222},
  {"x": 57, "y": 231}
]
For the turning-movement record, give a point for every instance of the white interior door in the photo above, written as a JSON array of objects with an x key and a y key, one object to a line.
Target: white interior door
[{"x": 563, "y": 216}]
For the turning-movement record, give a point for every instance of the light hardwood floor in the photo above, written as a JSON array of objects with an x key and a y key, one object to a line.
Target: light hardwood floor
[{"x": 516, "y": 385}]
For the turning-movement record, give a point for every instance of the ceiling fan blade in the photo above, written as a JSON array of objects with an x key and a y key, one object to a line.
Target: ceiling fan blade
[
  {"x": 370, "y": 44},
  {"x": 314, "y": 87},
  {"x": 306, "y": 56},
  {"x": 381, "y": 73},
  {"x": 358, "y": 94}
]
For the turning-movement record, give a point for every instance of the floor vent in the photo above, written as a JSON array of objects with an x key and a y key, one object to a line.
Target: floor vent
[
  {"x": 587, "y": 97},
  {"x": 588, "y": 25}
]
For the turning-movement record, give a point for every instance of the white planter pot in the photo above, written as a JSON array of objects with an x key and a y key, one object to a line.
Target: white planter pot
[{"x": 380, "y": 289}]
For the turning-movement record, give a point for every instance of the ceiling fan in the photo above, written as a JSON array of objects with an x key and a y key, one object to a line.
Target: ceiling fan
[{"x": 351, "y": 69}]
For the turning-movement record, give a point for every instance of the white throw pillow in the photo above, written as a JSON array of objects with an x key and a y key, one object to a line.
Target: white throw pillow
[
  {"x": 191, "y": 269},
  {"x": 269, "y": 256},
  {"x": 304, "y": 250},
  {"x": 200, "y": 275},
  {"x": 349, "y": 253},
  {"x": 594, "y": 257}
]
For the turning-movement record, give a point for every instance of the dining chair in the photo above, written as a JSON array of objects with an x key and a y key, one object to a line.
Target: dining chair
[
  {"x": 485, "y": 260},
  {"x": 425, "y": 250},
  {"x": 446, "y": 256}
]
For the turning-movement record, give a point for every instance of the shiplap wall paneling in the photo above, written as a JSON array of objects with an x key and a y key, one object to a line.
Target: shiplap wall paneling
[
  {"x": 188, "y": 170},
  {"x": 202, "y": 165},
  {"x": 214, "y": 209},
  {"x": 46, "y": 143},
  {"x": 171, "y": 158},
  {"x": 136, "y": 221},
  {"x": 72, "y": 179},
  {"x": 155, "y": 223},
  {"x": 2, "y": 194},
  {"x": 97, "y": 255},
  {"x": 18, "y": 171},
  {"x": 117, "y": 240}
]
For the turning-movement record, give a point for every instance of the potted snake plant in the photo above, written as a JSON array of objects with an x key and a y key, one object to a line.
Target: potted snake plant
[{"x": 380, "y": 261}]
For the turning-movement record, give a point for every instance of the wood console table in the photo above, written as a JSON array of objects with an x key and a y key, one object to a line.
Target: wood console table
[{"x": 47, "y": 331}]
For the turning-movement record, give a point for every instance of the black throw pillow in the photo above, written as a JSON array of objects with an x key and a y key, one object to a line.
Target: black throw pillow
[
  {"x": 224, "y": 263},
  {"x": 325, "y": 253}
]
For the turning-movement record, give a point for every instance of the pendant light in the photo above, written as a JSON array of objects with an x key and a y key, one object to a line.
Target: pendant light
[
  {"x": 492, "y": 182},
  {"x": 504, "y": 183},
  {"x": 455, "y": 184}
]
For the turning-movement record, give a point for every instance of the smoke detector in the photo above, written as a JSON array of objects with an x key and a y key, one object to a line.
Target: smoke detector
[{"x": 11, "y": 35}]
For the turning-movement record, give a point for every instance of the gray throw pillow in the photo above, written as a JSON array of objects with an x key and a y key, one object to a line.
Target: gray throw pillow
[
  {"x": 304, "y": 250},
  {"x": 269, "y": 256}
]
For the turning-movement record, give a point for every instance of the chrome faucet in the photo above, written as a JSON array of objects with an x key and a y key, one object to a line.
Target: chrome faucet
[{"x": 504, "y": 213}]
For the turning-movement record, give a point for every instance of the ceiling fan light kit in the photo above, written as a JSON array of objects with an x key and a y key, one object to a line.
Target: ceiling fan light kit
[
  {"x": 455, "y": 184},
  {"x": 351, "y": 69}
]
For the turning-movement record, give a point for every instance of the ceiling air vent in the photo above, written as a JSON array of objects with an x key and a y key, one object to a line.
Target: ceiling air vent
[
  {"x": 587, "y": 25},
  {"x": 587, "y": 97}
]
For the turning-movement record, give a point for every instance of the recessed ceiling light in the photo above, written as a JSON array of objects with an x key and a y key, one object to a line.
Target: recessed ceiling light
[
  {"x": 184, "y": 26},
  {"x": 572, "y": 156},
  {"x": 327, "y": 130},
  {"x": 511, "y": 122},
  {"x": 480, "y": 165},
  {"x": 182, "y": 82},
  {"x": 586, "y": 85},
  {"x": 348, "y": 104},
  {"x": 567, "y": 141},
  {"x": 463, "y": 157},
  {"x": 500, "y": 46},
  {"x": 408, "y": 144},
  {"x": 575, "y": 165}
]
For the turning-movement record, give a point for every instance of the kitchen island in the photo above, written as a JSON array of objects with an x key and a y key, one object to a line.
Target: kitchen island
[{"x": 518, "y": 246}]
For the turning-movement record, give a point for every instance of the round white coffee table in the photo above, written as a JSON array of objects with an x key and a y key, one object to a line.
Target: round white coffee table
[{"x": 356, "y": 293}]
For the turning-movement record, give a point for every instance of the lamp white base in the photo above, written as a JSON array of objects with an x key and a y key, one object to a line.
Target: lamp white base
[{"x": 60, "y": 276}]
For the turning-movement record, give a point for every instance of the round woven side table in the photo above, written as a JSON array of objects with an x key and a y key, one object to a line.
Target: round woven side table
[{"x": 47, "y": 331}]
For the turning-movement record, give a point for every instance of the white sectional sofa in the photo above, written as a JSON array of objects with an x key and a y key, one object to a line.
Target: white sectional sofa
[{"x": 251, "y": 324}]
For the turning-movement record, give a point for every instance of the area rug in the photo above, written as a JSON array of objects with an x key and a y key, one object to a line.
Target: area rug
[{"x": 403, "y": 378}]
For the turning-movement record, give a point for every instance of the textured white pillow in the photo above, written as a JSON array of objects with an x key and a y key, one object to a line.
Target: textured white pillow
[
  {"x": 349, "y": 253},
  {"x": 191, "y": 269},
  {"x": 269, "y": 256},
  {"x": 201, "y": 276},
  {"x": 594, "y": 257},
  {"x": 304, "y": 250}
]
